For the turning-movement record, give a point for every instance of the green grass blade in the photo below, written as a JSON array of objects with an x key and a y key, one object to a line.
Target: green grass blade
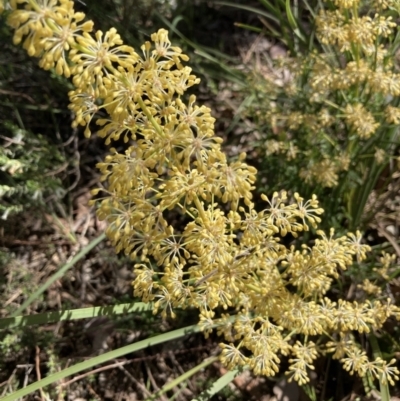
[
  {"x": 271, "y": 29},
  {"x": 79, "y": 367},
  {"x": 169, "y": 386},
  {"x": 293, "y": 22},
  {"x": 376, "y": 351},
  {"x": 290, "y": 16},
  {"x": 58, "y": 275},
  {"x": 194, "y": 45},
  {"x": 278, "y": 18},
  {"x": 73, "y": 314},
  {"x": 310, "y": 9},
  {"x": 247, "y": 102},
  {"x": 249, "y": 27},
  {"x": 175, "y": 22},
  {"x": 248, "y": 8},
  {"x": 217, "y": 386},
  {"x": 232, "y": 74},
  {"x": 272, "y": 8}
]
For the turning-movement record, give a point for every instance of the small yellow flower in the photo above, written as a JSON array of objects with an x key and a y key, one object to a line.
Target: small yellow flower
[
  {"x": 392, "y": 114},
  {"x": 361, "y": 120},
  {"x": 97, "y": 54},
  {"x": 272, "y": 147},
  {"x": 370, "y": 288},
  {"x": 291, "y": 151},
  {"x": 380, "y": 155},
  {"x": 343, "y": 162},
  {"x": 383, "y": 26},
  {"x": 356, "y": 362},
  {"x": 323, "y": 172},
  {"x": 298, "y": 371},
  {"x": 232, "y": 357},
  {"x": 85, "y": 104}
]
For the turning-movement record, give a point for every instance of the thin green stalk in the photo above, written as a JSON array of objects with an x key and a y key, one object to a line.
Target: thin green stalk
[
  {"x": 79, "y": 367},
  {"x": 271, "y": 31},
  {"x": 201, "y": 211},
  {"x": 73, "y": 314},
  {"x": 217, "y": 386},
  {"x": 384, "y": 387},
  {"x": 30, "y": 107},
  {"x": 361, "y": 194},
  {"x": 360, "y": 197},
  {"x": 68, "y": 234},
  {"x": 276, "y": 11},
  {"x": 249, "y": 27},
  {"x": 294, "y": 24},
  {"x": 60, "y": 273},
  {"x": 310, "y": 10},
  {"x": 277, "y": 18},
  {"x": 203, "y": 51},
  {"x": 185, "y": 376},
  {"x": 150, "y": 117},
  {"x": 251, "y": 9}
]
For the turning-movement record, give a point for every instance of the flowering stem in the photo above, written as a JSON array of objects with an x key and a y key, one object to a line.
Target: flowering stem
[
  {"x": 35, "y": 5},
  {"x": 384, "y": 387},
  {"x": 206, "y": 277},
  {"x": 200, "y": 209},
  {"x": 154, "y": 123}
]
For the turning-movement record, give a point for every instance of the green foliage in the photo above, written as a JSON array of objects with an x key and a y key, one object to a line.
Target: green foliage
[{"x": 28, "y": 170}]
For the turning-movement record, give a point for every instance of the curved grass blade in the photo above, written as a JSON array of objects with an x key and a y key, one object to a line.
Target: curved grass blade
[
  {"x": 293, "y": 22},
  {"x": 79, "y": 367},
  {"x": 73, "y": 314},
  {"x": 217, "y": 386},
  {"x": 248, "y": 8},
  {"x": 271, "y": 30},
  {"x": 232, "y": 74},
  {"x": 182, "y": 378},
  {"x": 58, "y": 274},
  {"x": 272, "y": 7},
  {"x": 173, "y": 27},
  {"x": 277, "y": 17}
]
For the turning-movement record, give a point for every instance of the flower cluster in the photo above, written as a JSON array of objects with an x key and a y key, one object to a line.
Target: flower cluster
[{"x": 225, "y": 255}]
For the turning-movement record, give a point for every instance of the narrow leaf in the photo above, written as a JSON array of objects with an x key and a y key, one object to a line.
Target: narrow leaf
[
  {"x": 73, "y": 314},
  {"x": 60, "y": 273},
  {"x": 248, "y": 8},
  {"x": 185, "y": 376},
  {"x": 217, "y": 386},
  {"x": 79, "y": 367}
]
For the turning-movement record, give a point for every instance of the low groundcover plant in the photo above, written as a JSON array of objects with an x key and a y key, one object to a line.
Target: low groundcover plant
[{"x": 264, "y": 298}]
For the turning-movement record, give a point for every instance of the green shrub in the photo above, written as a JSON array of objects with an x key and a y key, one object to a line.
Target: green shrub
[{"x": 328, "y": 114}]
